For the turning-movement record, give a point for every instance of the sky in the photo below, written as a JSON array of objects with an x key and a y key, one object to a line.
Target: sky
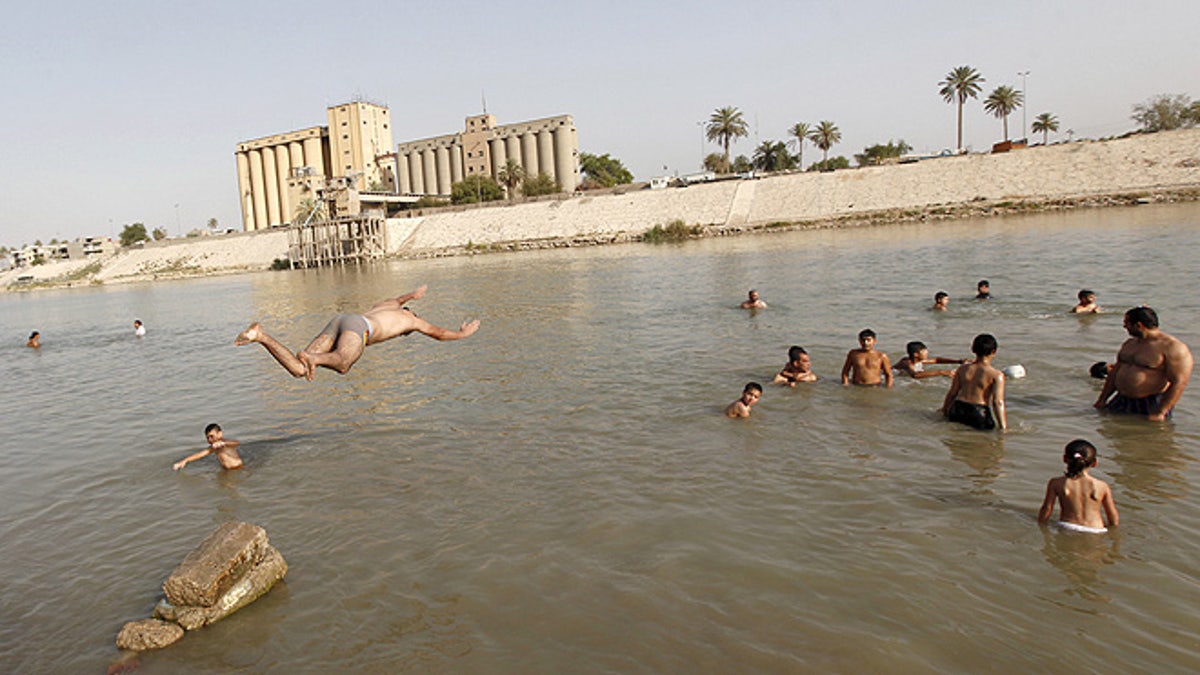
[{"x": 130, "y": 111}]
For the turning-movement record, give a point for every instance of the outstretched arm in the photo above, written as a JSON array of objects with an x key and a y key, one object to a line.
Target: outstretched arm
[
  {"x": 438, "y": 333},
  {"x": 191, "y": 458}
]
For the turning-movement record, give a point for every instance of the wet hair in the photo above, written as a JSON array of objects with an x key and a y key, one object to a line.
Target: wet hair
[
  {"x": 211, "y": 428},
  {"x": 866, "y": 333},
  {"x": 1079, "y": 455},
  {"x": 1143, "y": 315},
  {"x": 1083, "y": 294},
  {"x": 984, "y": 344},
  {"x": 752, "y": 386},
  {"x": 795, "y": 352},
  {"x": 34, "y": 334},
  {"x": 939, "y": 295},
  {"x": 1099, "y": 370},
  {"x": 913, "y": 348},
  {"x": 982, "y": 283},
  {"x": 138, "y": 321}
]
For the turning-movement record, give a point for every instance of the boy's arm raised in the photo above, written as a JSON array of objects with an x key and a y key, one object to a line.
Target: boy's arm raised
[{"x": 190, "y": 458}]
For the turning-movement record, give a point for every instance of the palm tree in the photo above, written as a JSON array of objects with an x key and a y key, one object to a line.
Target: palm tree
[
  {"x": 825, "y": 136},
  {"x": 512, "y": 175},
  {"x": 799, "y": 133},
  {"x": 723, "y": 125},
  {"x": 1002, "y": 101},
  {"x": 960, "y": 84},
  {"x": 772, "y": 156},
  {"x": 1045, "y": 123}
]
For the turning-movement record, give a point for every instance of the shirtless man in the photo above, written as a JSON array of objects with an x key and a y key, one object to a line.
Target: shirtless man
[
  {"x": 977, "y": 389},
  {"x": 741, "y": 407},
  {"x": 342, "y": 341},
  {"x": 1151, "y": 372},
  {"x": 753, "y": 301},
  {"x": 865, "y": 365},
  {"x": 1087, "y": 303},
  {"x": 225, "y": 450},
  {"x": 918, "y": 357},
  {"x": 798, "y": 368}
]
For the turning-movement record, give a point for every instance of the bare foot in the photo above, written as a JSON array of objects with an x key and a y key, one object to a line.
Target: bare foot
[
  {"x": 309, "y": 367},
  {"x": 251, "y": 334},
  {"x": 469, "y": 327}
]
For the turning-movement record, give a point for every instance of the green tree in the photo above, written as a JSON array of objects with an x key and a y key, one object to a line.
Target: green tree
[
  {"x": 541, "y": 184},
  {"x": 134, "y": 233},
  {"x": 1001, "y": 102},
  {"x": 512, "y": 175},
  {"x": 159, "y": 233},
  {"x": 772, "y": 156},
  {"x": 800, "y": 132},
  {"x": 1165, "y": 112},
  {"x": 875, "y": 154},
  {"x": 1043, "y": 124},
  {"x": 213, "y": 224},
  {"x": 37, "y": 242},
  {"x": 831, "y": 164},
  {"x": 741, "y": 164},
  {"x": 724, "y": 125},
  {"x": 310, "y": 210},
  {"x": 825, "y": 136},
  {"x": 960, "y": 84},
  {"x": 714, "y": 162},
  {"x": 603, "y": 169},
  {"x": 477, "y": 188}
]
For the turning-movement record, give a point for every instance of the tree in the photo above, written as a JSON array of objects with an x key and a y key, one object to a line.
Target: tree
[
  {"x": 159, "y": 233},
  {"x": 541, "y": 184},
  {"x": 724, "y": 125},
  {"x": 960, "y": 84},
  {"x": 831, "y": 164},
  {"x": 1165, "y": 112},
  {"x": 714, "y": 162},
  {"x": 825, "y": 136},
  {"x": 1043, "y": 124},
  {"x": 741, "y": 164},
  {"x": 1001, "y": 102},
  {"x": 874, "y": 155},
  {"x": 310, "y": 210},
  {"x": 134, "y": 233},
  {"x": 772, "y": 156},
  {"x": 800, "y": 132},
  {"x": 603, "y": 169},
  {"x": 212, "y": 224},
  {"x": 512, "y": 175},
  {"x": 477, "y": 188}
]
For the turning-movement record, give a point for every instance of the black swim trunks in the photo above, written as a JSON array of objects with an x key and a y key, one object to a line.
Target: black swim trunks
[
  {"x": 972, "y": 415},
  {"x": 1147, "y": 405}
]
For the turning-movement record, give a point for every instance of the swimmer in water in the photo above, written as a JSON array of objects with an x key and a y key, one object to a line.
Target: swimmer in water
[
  {"x": 752, "y": 301},
  {"x": 1087, "y": 303},
  {"x": 35, "y": 340},
  {"x": 741, "y": 407},
  {"x": 1085, "y": 503},
  {"x": 798, "y": 368},
  {"x": 941, "y": 301},
  {"x": 918, "y": 357},
  {"x": 865, "y": 365},
  {"x": 1152, "y": 370},
  {"x": 984, "y": 290},
  {"x": 977, "y": 389},
  {"x": 224, "y": 448},
  {"x": 341, "y": 343}
]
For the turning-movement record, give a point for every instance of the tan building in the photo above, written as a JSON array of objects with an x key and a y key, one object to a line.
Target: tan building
[
  {"x": 430, "y": 166},
  {"x": 273, "y": 170}
]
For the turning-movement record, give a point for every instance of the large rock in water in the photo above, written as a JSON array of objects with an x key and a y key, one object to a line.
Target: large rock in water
[
  {"x": 253, "y": 584},
  {"x": 148, "y": 634},
  {"x": 209, "y": 571}
]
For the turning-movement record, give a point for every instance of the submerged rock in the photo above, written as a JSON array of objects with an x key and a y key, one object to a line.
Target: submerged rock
[
  {"x": 146, "y": 634},
  {"x": 256, "y": 581}
]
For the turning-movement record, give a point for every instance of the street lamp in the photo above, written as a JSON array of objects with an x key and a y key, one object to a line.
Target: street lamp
[{"x": 1024, "y": 106}]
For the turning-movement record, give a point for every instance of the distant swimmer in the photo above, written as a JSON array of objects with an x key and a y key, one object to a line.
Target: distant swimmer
[
  {"x": 741, "y": 407},
  {"x": 753, "y": 301},
  {"x": 138, "y": 329},
  {"x": 1087, "y": 303},
  {"x": 941, "y": 301},
  {"x": 1085, "y": 503},
  {"x": 1100, "y": 370},
  {"x": 1151, "y": 371},
  {"x": 35, "y": 340},
  {"x": 918, "y": 357},
  {"x": 798, "y": 368},
  {"x": 342, "y": 341},
  {"x": 224, "y": 448},
  {"x": 983, "y": 290},
  {"x": 977, "y": 389},
  {"x": 865, "y": 365}
]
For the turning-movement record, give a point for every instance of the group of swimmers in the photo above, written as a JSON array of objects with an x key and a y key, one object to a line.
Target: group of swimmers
[
  {"x": 35, "y": 338},
  {"x": 1148, "y": 378}
]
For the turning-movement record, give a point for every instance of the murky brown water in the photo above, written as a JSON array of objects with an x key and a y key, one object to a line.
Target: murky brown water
[{"x": 560, "y": 492}]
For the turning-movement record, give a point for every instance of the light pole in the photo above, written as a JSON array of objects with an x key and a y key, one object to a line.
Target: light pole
[{"x": 1024, "y": 106}]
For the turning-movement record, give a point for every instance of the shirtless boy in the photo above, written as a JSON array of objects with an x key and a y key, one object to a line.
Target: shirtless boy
[
  {"x": 753, "y": 301},
  {"x": 225, "y": 450},
  {"x": 750, "y": 396},
  {"x": 342, "y": 341},
  {"x": 918, "y": 357},
  {"x": 1151, "y": 371},
  {"x": 865, "y": 365},
  {"x": 1084, "y": 502},
  {"x": 35, "y": 340},
  {"x": 798, "y": 368},
  {"x": 941, "y": 301},
  {"x": 977, "y": 389},
  {"x": 1087, "y": 303}
]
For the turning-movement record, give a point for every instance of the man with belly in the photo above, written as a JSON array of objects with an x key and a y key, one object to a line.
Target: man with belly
[{"x": 1151, "y": 372}]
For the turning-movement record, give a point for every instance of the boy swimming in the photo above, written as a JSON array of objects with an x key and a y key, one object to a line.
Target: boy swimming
[
  {"x": 750, "y": 396},
  {"x": 798, "y": 368},
  {"x": 977, "y": 389},
  {"x": 865, "y": 365},
  {"x": 941, "y": 301},
  {"x": 224, "y": 448},
  {"x": 1087, "y": 303},
  {"x": 918, "y": 357},
  {"x": 1081, "y": 498}
]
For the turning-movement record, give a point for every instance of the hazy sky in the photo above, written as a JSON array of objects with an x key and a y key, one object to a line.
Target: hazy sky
[{"x": 123, "y": 111}]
